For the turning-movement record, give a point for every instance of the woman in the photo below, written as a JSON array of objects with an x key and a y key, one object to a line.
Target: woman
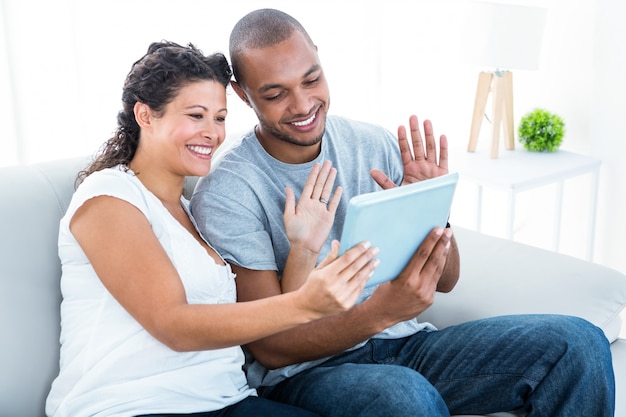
[{"x": 149, "y": 320}]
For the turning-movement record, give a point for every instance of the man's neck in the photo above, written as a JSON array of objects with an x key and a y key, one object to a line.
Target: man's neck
[{"x": 286, "y": 152}]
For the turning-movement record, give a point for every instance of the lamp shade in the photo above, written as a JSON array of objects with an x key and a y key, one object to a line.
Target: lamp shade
[{"x": 504, "y": 36}]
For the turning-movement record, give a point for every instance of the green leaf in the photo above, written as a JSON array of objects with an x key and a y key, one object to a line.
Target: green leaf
[{"x": 541, "y": 131}]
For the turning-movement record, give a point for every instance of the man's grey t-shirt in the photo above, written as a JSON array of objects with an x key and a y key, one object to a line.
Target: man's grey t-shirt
[{"x": 239, "y": 207}]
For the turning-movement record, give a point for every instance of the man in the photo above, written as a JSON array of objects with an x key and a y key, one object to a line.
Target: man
[{"x": 376, "y": 359}]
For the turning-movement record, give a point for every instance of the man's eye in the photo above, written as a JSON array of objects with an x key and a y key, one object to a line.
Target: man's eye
[
  {"x": 312, "y": 82},
  {"x": 273, "y": 97}
]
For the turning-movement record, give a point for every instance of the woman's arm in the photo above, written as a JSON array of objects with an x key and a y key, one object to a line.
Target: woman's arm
[
  {"x": 308, "y": 224},
  {"x": 131, "y": 263}
]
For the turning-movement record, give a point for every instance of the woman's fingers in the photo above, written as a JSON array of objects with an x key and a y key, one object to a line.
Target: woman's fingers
[
  {"x": 320, "y": 182},
  {"x": 332, "y": 255},
  {"x": 346, "y": 275},
  {"x": 358, "y": 262},
  {"x": 290, "y": 201}
]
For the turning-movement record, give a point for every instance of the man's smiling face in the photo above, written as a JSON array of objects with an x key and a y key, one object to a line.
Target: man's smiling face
[{"x": 286, "y": 87}]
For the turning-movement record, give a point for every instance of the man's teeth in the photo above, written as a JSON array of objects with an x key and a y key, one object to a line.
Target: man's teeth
[
  {"x": 204, "y": 150},
  {"x": 305, "y": 122}
]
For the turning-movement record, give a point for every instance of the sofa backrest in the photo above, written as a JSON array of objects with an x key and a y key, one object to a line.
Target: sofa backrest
[{"x": 32, "y": 201}]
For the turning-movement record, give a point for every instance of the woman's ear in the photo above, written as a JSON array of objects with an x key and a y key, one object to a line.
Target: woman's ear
[
  {"x": 240, "y": 92},
  {"x": 142, "y": 115}
]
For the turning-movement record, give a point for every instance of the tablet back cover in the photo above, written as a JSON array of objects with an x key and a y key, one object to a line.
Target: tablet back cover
[{"x": 397, "y": 220}]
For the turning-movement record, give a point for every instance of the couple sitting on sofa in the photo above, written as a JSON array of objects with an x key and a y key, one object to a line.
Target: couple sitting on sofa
[{"x": 150, "y": 325}]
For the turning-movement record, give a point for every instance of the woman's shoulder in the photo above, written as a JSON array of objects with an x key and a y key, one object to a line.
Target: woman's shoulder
[
  {"x": 118, "y": 174},
  {"x": 118, "y": 181}
]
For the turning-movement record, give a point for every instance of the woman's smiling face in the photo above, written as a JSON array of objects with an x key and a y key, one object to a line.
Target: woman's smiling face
[{"x": 190, "y": 129}]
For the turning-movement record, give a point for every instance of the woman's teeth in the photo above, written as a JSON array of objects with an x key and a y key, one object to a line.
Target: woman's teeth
[{"x": 203, "y": 150}]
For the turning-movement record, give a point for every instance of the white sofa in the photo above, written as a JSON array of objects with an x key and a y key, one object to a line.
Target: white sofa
[{"x": 498, "y": 277}]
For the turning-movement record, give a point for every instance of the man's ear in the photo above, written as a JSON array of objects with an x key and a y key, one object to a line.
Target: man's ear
[
  {"x": 143, "y": 115},
  {"x": 240, "y": 92}
]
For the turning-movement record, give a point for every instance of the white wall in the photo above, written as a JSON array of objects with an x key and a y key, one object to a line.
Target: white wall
[
  {"x": 67, "y": 60},
  {"x": 607, "y": 131}
]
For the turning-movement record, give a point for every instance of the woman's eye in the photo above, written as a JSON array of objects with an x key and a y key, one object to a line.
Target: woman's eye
[{"x": 195, "y": 116}]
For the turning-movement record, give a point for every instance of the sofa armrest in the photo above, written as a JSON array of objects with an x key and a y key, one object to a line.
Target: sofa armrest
[{"x": 500, "y": 277}]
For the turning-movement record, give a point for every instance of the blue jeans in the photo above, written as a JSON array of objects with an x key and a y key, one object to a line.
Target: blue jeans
[
  {"x": 546, "y": 365},
  {"x": 248, "y": 407}
]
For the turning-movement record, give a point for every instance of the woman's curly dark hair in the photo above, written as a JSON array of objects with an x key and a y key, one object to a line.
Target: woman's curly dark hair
[{"x": 155, "y": 80}]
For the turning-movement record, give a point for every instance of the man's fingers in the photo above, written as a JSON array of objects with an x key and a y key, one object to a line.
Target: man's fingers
[
  {"x": 427, "y": 247},
  {"x": 382, "y": 179},
  {"x": 443, "y": 153},
  {"x": 405, "y": 148},
  {"x": 416, "y": 139},
  {"x": 431, "y": 146},
  {"x": 436, "y": 261}
]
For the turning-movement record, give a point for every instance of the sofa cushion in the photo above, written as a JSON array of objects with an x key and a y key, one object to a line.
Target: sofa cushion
[{"x": 502, "y": 277}]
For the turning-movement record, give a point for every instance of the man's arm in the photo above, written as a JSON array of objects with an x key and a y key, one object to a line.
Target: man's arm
[
  {"x": 451, "y": 270},
  {"x": 315, "y": 340},
  {"x": 419, "y": 158},
  {"x": 398, "y": 300},
  {"x": 421, "y": 162}
]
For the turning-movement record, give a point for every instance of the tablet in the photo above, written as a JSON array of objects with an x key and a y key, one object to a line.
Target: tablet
[{"x": 397, "y": 220}]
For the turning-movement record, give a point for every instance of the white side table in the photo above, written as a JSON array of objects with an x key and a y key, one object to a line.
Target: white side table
[{"x": 519, "y": 170}]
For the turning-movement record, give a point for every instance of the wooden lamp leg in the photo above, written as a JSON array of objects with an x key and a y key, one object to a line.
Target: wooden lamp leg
[
  {"x": 480, "y": 102},
  {"x": 501, "y": 86},
  {"x": 498, "y": 113},
  {"x": 509, "y": 134}
]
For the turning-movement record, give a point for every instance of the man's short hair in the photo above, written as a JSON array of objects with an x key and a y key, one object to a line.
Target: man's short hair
[{"x": 260, "y": 29}]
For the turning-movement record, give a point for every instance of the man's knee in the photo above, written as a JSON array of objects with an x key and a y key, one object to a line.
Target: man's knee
[
  {"x": 580, "y": 349},
  {"x": 579, "y": 336}
]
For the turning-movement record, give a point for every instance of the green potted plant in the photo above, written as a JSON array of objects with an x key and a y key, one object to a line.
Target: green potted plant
[{"x": 541, "y": 131}]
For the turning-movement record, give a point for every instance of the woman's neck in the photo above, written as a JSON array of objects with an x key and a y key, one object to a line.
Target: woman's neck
[{"x": 165, "y": 185}]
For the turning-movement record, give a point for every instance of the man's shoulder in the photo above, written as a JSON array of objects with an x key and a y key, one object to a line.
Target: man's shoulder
[
  {"x": 335, "y": 122},
  {"x": 369, "y": 134}
]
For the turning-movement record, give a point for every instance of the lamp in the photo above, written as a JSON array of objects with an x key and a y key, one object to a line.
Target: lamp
[{"x": 504, "y": 37}]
